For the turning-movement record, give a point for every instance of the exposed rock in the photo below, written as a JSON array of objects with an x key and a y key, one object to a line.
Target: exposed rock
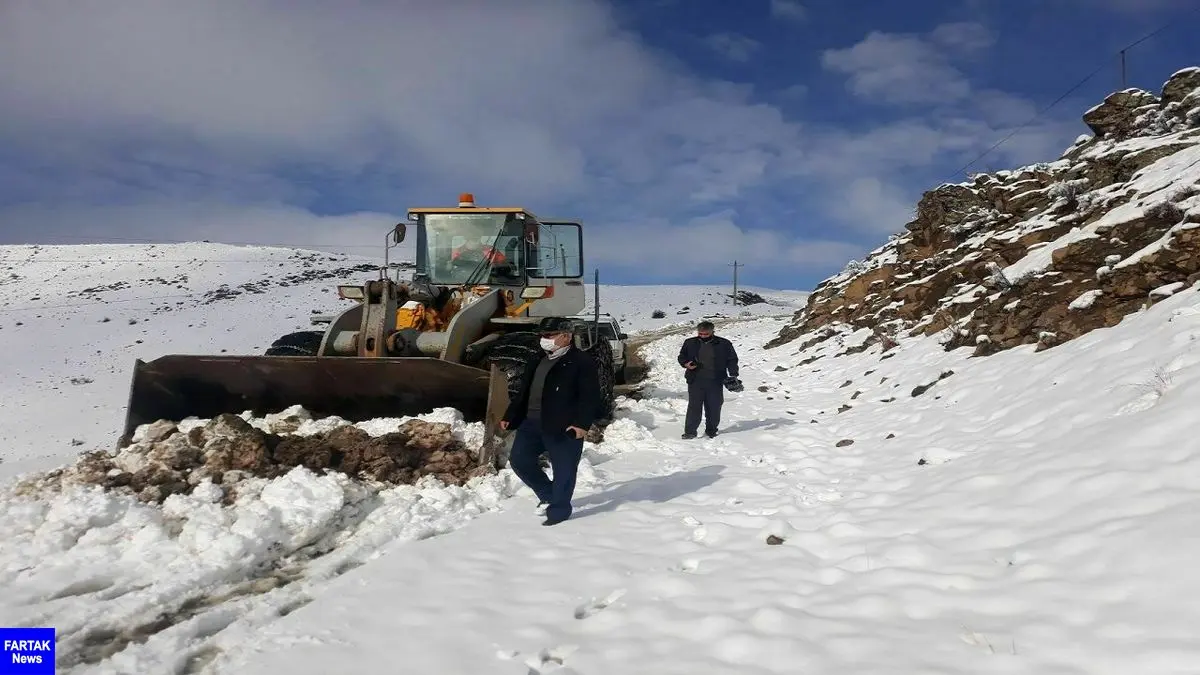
[
  {"x": 159, "y": 430},
  {"x": 1038, "y": 255},
  {"x": 1180, "y": 85},
  {"x": 746, "y": 298},
  {"x": 1117, "y": 115}
]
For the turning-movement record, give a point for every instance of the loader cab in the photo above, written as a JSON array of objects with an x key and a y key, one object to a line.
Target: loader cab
[
  {"x": 505, "y": 247},
  {"x": 457, "y": 249}
]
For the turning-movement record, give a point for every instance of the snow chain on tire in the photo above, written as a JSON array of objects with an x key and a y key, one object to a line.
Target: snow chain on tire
[
  {"x": 303, "y": 343},
  {"x": 512, "y": 352}
]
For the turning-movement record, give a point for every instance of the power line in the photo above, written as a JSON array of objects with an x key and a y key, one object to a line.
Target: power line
[
  {"x": 1031, "y": 120},
  {"x": 1068, "y": 92}
]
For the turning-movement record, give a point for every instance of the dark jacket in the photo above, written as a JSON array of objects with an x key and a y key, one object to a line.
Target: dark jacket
[
  {"x": 570, "y": 396},
  {"x": 723, "y": 353}
]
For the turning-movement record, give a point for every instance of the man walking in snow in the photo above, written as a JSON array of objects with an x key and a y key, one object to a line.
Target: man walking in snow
[
  {"x": 709, "y": 361},
  {"x": 558, "y": 401}
]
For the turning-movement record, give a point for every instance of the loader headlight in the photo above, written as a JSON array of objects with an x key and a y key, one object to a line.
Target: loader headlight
[
  {"x": 350, "y": 292},
  {"x": 533, "y": 292}
]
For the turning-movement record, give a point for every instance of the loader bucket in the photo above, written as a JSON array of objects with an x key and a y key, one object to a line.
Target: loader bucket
[{"x": 180, "y": 386}]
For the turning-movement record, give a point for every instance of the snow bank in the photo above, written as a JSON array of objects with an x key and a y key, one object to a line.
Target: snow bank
[
  {"x": 134, "y": 587},
  {"x": 117, "y": 576}
]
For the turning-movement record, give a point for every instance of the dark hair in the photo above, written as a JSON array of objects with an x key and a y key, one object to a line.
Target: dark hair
[{"x": 704, "y": 325}]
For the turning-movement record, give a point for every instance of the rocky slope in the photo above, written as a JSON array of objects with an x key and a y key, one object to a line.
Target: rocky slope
[{"x": 1045, "y": 253}]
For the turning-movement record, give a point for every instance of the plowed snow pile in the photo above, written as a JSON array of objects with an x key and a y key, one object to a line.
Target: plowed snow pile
[
  {"x": 157, "y": 557},
  {"x": 167, "y": 459},
  {"x": 193, "y": 527}
]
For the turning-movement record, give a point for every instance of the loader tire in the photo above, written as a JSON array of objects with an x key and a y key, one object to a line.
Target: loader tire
[
  {"x": 601, "y": 353},
  {"x": 303, "y": 343},
  {"x": 512, "y": 352}
]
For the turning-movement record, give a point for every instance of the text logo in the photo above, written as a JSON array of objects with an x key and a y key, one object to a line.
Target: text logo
[{"x": 27, "y": 651}]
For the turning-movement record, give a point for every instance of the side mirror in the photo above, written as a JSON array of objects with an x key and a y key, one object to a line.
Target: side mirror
[
  {"x": 399, "y": 232},
  {"x": 623, "y": 336}
]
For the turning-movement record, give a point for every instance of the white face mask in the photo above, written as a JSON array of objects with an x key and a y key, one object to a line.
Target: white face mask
[{"x": 548, "y": 344}]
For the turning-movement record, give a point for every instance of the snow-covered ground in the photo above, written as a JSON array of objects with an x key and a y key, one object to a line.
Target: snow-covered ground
[
  {"x": 74, "y": 318},
  {"x": 1028, "y": 513},
  {"x": 1020, "y": 513},
  {"x": 683, "y": 305}
]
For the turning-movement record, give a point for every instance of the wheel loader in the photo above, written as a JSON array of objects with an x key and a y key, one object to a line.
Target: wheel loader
[{"x": 456, "y": 335}]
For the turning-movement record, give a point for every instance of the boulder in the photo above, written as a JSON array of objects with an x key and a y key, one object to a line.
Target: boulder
[{"x": 1115, "y": 117}]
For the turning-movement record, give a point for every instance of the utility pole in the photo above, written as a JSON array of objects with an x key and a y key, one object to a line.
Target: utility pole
[
  {"x": 735, "y": 264},
  {"x": 1124, "y": 81}
]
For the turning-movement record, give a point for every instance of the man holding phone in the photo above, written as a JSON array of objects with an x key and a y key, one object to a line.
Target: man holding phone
[{"x": 710, "y": 360}]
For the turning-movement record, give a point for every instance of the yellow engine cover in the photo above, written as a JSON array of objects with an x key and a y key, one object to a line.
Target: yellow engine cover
[{"x": 410, "y": 315}]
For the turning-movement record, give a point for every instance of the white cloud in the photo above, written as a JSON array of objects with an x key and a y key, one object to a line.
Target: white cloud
[
  {"x": 963, "y": 35},
  {"x": 788, "y": 9},
  {"x": 432, "y": 92},
  {"x": 902, "y": 68},
  {"x": 733, "y": 46},
  {"x": 882, "y": 170},
  {"x": 875, "y": 205},
  {"x": 258, "y": 104},
  {"x": 238, "y": 119},
  {"x": 794, "y": 92},
  {"x": 712, "y": 242}
]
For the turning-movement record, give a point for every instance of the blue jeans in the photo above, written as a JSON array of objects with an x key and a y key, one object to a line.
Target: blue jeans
[{"x": 565, "y": 452}]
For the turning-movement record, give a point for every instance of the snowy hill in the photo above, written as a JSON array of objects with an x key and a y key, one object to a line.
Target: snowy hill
[
  {"x": 74, "y": 318},
  {"x": 1045, "y": 253}
]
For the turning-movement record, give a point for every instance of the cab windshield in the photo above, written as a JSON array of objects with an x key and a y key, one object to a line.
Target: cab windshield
[{"x": 476, "y": 248}]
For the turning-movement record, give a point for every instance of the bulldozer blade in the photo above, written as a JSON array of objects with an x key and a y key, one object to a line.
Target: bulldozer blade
[{"x": 179, "y": 386}]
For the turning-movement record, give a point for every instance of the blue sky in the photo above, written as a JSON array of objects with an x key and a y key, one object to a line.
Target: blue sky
[{"x": 790, "y": 135}]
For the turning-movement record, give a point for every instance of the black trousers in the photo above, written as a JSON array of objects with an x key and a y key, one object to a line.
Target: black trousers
[
  {"x": 707, "y": 395},
  {"x": 565, "y": 452}
]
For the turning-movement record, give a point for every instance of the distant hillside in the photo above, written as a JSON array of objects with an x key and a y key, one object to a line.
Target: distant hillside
[{"x": 1045, "y": 253}]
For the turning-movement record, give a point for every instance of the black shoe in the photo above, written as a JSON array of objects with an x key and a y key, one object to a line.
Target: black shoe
[
  {"x": 554, "y": 521},
  {"x": 711, "y": 434},
  {"x": 687, "y": 435}
]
